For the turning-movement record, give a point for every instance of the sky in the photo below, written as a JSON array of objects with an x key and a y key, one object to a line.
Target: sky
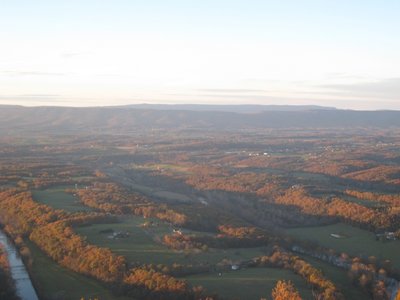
[{"x": 341, "y": 53}]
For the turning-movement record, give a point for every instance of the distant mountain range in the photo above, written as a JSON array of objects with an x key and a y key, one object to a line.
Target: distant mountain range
[
  {"x": 243, "y": 108},
  {"x": 65, "y": 120}
]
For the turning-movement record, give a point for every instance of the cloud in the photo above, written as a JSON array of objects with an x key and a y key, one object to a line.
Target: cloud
[
  {"x": 30, "y": 73},
  {"x": 73, "y": 54},
  {"x": 69, "y": 55},
  {"x": 231, "y": 91},
  {"x": 32, "y": 97},
  {"x": 382, "y": 89},
  {"x": 39, "y": 95},
  {"x": 255, "y": 98},
  {"x": 343, "y": 75}
]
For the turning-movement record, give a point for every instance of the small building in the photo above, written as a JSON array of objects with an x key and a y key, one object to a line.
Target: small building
[
  {"x": 336, "y": 236},
  {"x": 235, "y": 267},
  {"x": 119, "y": 235},
  {"x": 390, "y": 236},
  {"x": 177, "y": 231}
]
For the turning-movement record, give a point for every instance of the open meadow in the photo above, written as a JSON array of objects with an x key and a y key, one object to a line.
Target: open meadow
[
  {"x": 251, "y": 284},
  {"x": 55, "y": 282},
  {"x": 144, "y": 245},
  {"x": 57, "y": 198},
  {"x": 352, "y": 240}
]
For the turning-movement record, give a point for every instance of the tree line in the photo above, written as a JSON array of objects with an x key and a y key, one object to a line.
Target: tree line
[{"x": 53, "y": 233}]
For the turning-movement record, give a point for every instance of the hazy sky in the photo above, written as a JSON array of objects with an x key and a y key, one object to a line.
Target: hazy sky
[{"x": 343, "y": 53}]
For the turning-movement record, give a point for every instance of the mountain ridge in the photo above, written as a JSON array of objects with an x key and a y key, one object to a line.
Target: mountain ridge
[{"x": 125, "y": 119}]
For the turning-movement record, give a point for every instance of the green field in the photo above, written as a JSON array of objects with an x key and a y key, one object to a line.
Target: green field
[
  {"x": 57, "y": 198},
  {"x": 173, "y": 168},
  {"x": 364, "y": 202},
  {"x": 339, "y": 277},
  {"x": 142, "y": 245},
  {"x": 167, "y": 195},
  {"x": 55, "y": 282},
  {"x": 356, "y": 241},
  {"x": 248, "y": 284}
]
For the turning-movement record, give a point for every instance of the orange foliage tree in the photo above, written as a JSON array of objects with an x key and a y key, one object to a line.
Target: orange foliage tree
[{"x": 285, "y": 290}]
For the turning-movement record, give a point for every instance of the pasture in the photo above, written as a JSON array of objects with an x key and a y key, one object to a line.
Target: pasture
[
  {"x": 339, "y": 277},
  {"x": 250, "y": 284},
  {"x": 356, "y": 241},
  {"x": 143, "y": 244},
  {"x": 57, "y": 198},
  {"x": 55, "y": 282},
  {"x": 364, "y": 202}
]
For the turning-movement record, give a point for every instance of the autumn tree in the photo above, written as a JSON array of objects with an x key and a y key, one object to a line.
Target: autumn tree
[{"x": 285, "y": 290}]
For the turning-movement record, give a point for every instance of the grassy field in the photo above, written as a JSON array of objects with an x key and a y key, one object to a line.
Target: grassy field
[
  {"x": 57, "y": 198},
  {"x": 172, "y": 196},
  {"x": 355, "y": 242},
  {"x": 173, "y": 168},
  {"x": 55, "y": 282},
  {"x": 340, "y": 278},
  {"x": 142, "y": 245},
  {"x": 248, "y": 284},
  {"x": 367, "y": 203}
]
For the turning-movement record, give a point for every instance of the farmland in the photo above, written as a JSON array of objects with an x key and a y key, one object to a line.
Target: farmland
[
  {"x": 57, "y": 198},
  {"x": 340, "y": 278},
  {"x": 251, "y": 284},
  {"x": 55, "y": 282},
  {"x": 143, "y": 244},
  {"x": 190, "y": 214},
  {"x": 355, "y": 241}
]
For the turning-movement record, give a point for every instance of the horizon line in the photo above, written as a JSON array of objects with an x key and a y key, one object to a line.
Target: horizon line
[{"x": 132, "y": 105}]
